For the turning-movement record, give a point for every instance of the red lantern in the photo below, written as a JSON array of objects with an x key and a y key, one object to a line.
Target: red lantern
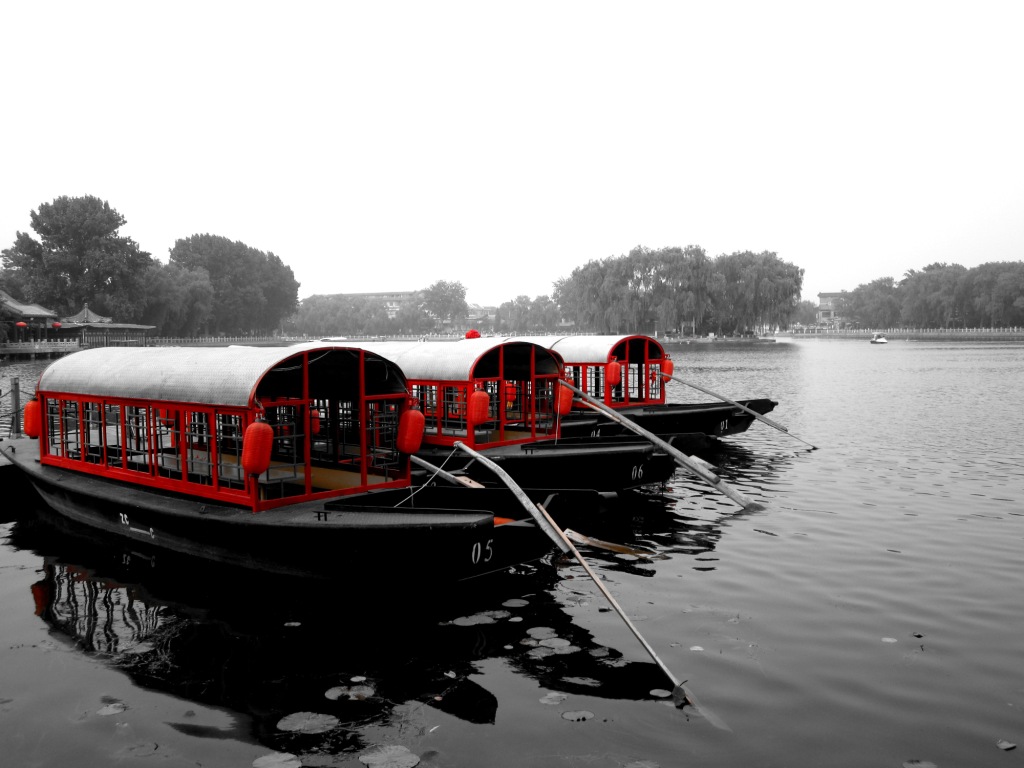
[
  {"x": 410, "y": 430},
  {"x": 563, "y": 400},
  {"x": 56, "y": 324},
  {"x": 21, "y": 324},
  {"x": 472, "y": 333},
  {"x": 33, "y": 423},
  {"x": 314, "y": 421},
  {"x": 667, "y": 366},
  {"x": 256, "y": 445},
  {"x": 479, "y": 407},
  {"x": 613, "y": 373}
]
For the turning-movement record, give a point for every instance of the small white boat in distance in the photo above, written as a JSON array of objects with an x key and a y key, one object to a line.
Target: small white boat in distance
[{"x": 879, "y": 338}]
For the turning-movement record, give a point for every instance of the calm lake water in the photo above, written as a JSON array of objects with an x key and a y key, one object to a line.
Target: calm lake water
[{"x": 871, "y": 616}]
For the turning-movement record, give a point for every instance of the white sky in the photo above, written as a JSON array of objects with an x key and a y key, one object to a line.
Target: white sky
[{"x": 388, "y": 145}]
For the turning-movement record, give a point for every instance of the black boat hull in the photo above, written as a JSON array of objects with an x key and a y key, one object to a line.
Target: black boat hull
[
  {"x": 437, "y": 533},
  {"x": 712, "y": 419},
  {"x": 603, "y": 465}
]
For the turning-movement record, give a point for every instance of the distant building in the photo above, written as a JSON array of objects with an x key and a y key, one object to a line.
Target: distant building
[
  {"x": 94, "y": 330},
  {"x": 23, "y": 321},
  {"x": 830, "y": 308},
  {"x": 393, "y": 301}
]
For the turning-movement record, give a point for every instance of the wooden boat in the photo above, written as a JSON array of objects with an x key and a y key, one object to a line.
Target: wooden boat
[
  {"x": 625, "y": 373},
  {"x": 278, "y": 459},
  {"x": 501, "y": 398},
  {"x": 879, "y": 338}
]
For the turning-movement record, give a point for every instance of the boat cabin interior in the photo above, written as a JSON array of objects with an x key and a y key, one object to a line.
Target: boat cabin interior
[
  {"x": 482, "y": 391},
  {"x": 620, "y": 371}
]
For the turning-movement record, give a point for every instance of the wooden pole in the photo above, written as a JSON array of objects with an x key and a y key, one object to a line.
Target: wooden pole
[
  {"x": 526, "y": 501},
  {"x": 456, "y": 479},
  {"x": 681, "y": 458},
  {"x": 755, "y": 414}
]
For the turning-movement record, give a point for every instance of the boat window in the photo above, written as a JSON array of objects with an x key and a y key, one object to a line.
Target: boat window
[
  {"x": 594, "y": 381},
  {"x": 197, "y": 448},
  {"x": 286, "y": 474},
  {"x": 136, "y": 433},
  {"x": 633, "y": 377},
  {"x": 382, "y": 456},
  {"x": 165, "y": 442},
  {"x": 453, "y": 417},
  {"x": 229, "y": 450},
  {"x": 95, "y": 431},
  {"x": 112, "y": 429},
  {"x": 62, "y": 428}
]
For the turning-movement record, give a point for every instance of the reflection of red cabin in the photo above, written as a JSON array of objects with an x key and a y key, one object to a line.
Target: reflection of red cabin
[
  {"x": 587, "y": 360},
  {"x": 451, "y": 380}
]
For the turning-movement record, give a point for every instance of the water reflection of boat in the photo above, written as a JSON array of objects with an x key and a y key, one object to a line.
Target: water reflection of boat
[
  {"x": 294, "y": 460},
  {"x": 269, "y": 646},
  {"x": 628, "y": 373}
]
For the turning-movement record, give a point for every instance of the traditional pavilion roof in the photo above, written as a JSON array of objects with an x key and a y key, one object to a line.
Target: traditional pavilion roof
[
  {"x": 86, "y": 315},
  {"x": 25, "y": 310}
]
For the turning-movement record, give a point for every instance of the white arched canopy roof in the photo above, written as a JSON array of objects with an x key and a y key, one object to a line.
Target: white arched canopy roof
[
  {"x": 226, "y": 376},
  {"x": 577, "y": 350},
  {"x": 466, "y": 359}
]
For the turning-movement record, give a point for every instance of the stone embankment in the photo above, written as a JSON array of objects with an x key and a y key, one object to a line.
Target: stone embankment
[{"x": 911, "y": 334}]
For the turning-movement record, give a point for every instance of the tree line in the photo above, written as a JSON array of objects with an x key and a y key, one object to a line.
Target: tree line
[
  {"x": 681, "y": 290},
  {"x": 940, "y": 296},
  {"x": 210, "y": 285}
]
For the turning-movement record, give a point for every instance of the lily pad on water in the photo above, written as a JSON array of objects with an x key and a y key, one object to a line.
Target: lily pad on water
[
  {"x": 516, "y": 602},
  {"x": 115, "y": 708},
  {"x": 661, "y": 693},
  {"x": 307, "y": 722},
  {"x": 539, "y": 633},
  {"x": 487, "y": 617},
  {"x": 554, "y": 642},
  {"x": 1006, "y": 745},
  {"x": 351, "y": 692},
  {"x": 553, "y": 698},
  {"x": 578, "y": 716},
  {"x": 277, "y": 760},
  {"x": 389, "y": 756}
]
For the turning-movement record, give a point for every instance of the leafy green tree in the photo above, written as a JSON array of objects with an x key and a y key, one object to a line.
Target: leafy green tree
[
  {"x": 253, "y": 291},
  {"x": 179, "y": 301},
  {"x": 930, "y": 296},
  {"x": 544, "y": 315},
  {"x": 446, "y": 301},
  {"x": 80, "y": 257},
  {"x": 806, "y": 313},
  {"x": 875, "y": 304},
  {"x": 992, "y": 295}
]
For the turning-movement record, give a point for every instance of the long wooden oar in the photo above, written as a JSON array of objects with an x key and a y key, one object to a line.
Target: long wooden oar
[
  {"x": 681, "y": 458},
  {"x": 751, "y": 411},
  {"x": 456, "y": 479},
  {"x": 552, "y": 533},
  {"x": 681, "y": 696}
]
